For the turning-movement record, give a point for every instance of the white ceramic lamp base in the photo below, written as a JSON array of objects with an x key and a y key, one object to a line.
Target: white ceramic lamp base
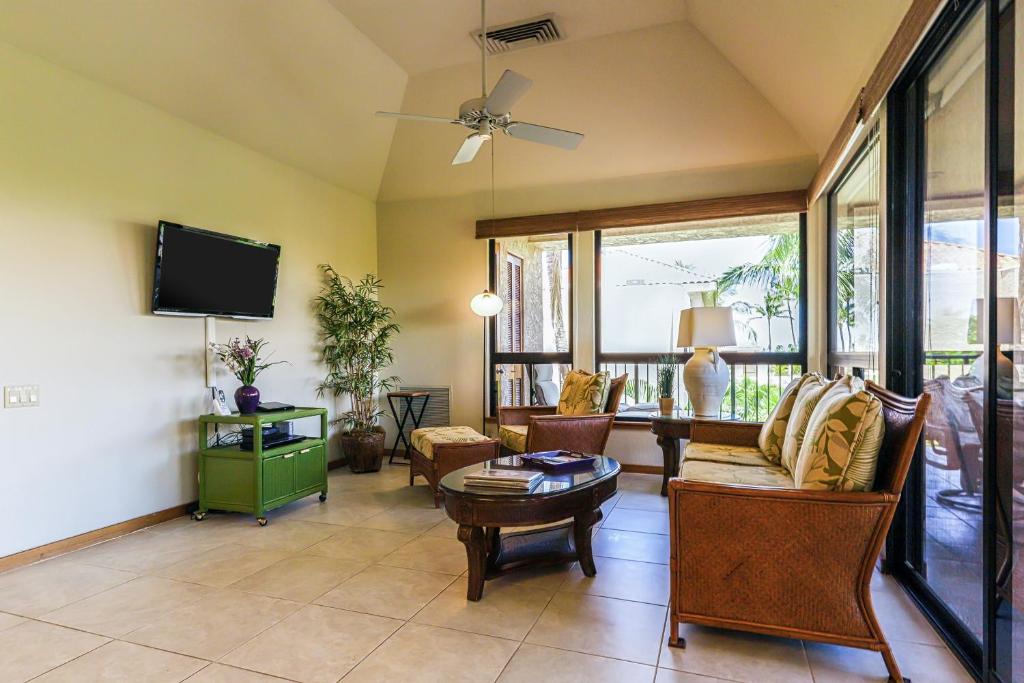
[{"x": 706, "y": 377}]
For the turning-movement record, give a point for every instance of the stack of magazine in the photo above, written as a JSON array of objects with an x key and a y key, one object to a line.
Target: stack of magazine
[{"x": 520, "y": 480}]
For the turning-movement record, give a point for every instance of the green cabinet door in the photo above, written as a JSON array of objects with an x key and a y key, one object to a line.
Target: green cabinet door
[
  {"x": 309, "y": 468},
  {"x": 278, "y": 478}
]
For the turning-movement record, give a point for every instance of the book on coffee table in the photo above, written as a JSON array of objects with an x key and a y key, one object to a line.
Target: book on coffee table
[{"x": 505, "y": 479}]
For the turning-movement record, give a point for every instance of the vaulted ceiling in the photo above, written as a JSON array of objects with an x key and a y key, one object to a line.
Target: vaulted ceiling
[{"x": 656, "y": 85}]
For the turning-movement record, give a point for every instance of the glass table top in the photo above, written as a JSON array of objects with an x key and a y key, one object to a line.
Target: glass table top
[{"x": 553, "y": 483}]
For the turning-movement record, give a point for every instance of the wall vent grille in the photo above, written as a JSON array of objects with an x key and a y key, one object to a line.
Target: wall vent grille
[
  {"x": 438, "y": 411},
  {"x": 520, "y": 34}
]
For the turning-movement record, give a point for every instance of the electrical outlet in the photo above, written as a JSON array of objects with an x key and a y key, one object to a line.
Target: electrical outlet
[{"x": 21, "y": 396}]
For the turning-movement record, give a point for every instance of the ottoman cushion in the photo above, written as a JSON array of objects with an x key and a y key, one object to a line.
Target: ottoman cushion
[{"x": 425, "y": 438}]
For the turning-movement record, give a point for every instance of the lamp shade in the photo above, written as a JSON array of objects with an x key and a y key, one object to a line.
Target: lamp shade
[
  {"x": 1007, "y": 320},
  {"x": 485, "y": 304},
  {"x": 708, "y": 326}
]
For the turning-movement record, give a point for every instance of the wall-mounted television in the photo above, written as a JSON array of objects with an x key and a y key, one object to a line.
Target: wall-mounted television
[{"x": 199, "y": 272}]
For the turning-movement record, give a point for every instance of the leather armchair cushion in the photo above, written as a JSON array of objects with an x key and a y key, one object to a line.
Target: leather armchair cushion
[
  {"x": 768, "y": 476},
  {"x": 773, "y": 431},
  {"x": 513, "y": 437},
  {"x": 584, "y": 393},
  {"x": 723, "y": 453},
  {"x": 424, "y": 438}
]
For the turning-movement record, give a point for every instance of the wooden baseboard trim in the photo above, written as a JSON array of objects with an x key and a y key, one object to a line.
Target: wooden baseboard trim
[
  {"x": 642, "y": 469},
  {"x": 80, "y": 541}
]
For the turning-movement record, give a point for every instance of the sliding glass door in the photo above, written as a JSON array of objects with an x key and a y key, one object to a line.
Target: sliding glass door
[
  {"x": 1007, "y": 423},
  {"x": 954, "y": 241}
]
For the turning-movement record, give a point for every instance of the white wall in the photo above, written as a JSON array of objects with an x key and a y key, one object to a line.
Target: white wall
[{"x": 85, "y": 174}]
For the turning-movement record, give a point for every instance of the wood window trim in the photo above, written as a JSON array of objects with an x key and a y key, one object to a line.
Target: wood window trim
[{"x": 790, "y": 201}]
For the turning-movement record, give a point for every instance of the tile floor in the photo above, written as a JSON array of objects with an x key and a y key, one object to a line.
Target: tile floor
[{"x": 370, "y": 586}]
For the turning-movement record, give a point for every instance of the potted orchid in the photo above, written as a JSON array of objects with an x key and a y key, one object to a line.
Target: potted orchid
[{"x": 244, "y": 362}]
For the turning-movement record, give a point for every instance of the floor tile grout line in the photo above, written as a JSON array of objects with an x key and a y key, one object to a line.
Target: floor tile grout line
[{"x": 109, "y": 641}]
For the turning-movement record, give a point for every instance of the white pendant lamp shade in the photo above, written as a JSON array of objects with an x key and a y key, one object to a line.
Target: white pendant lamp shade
[
  {"x": 706, "y": 327},
  {"x": 486, "y": 304}
]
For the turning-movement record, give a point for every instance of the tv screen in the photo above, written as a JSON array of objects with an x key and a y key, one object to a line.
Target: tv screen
[{"x": 206, "y": 273}]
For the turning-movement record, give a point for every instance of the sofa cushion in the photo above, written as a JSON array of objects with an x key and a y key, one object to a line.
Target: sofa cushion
[
  {"x": 733, "y": 455},
  {"x": 513, "y": 437},
  {"x": 424, "y": 438},
  {"x": 840, "y": 449},
  {"x": 773, "y": 431},
  {"x": 584, "y": 393},
  {"x": 769, "y": 476},
  {"x": 807, "y": 397}
]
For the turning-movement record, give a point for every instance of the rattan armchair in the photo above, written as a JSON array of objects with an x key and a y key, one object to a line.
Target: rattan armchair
[
  {"x": 788, "y": 562},
  {"x": 548, "y": 431}
]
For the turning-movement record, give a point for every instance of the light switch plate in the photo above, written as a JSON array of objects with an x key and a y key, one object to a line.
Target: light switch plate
[{"x": 21, "y": 396}]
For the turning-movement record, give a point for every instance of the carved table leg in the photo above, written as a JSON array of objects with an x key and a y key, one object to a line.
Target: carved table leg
[
  {"x": 582, "y": 525},
  {"x": 476, "y": 554},
  {"x": 670, "y": 452}
]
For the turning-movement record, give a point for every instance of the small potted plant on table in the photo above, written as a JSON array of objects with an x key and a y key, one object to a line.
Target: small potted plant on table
[
  {"x": 666, "y": 384},
  {"x": 355, "y": 335}
]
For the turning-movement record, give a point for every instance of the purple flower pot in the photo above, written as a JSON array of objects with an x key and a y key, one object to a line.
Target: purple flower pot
[{"x": 247, "y": 398}]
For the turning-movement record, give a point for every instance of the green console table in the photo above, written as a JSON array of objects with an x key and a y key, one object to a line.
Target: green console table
[{"x": 262, "y": 479}]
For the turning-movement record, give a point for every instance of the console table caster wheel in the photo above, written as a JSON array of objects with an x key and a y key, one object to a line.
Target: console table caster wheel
[
  {"x": 679, "y": 643},
  {"x": 323, "y": 497},
  {"x": 262, "y": 521},
  {"x": 198, "y": 516}
]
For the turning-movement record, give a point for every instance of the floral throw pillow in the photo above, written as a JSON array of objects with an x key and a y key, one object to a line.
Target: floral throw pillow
[
  {"x": 840, "y": 449},
  {"x": 773, "y": 431},
  {"x": 807, "y": 398},
  {"x": 584, "y": 393}
]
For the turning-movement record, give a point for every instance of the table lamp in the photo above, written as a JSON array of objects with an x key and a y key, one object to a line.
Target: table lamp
[{"x": 705, "y": 375}]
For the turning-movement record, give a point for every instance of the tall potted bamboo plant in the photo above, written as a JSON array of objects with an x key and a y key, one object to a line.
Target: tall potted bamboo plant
[{"x": 355, "y": 334}]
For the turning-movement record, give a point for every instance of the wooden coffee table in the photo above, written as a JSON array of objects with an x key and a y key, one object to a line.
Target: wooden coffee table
[{"x": 483, "y": 513}]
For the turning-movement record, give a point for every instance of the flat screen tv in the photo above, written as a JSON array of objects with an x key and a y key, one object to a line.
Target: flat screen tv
[{"x": 199, "y": 272}]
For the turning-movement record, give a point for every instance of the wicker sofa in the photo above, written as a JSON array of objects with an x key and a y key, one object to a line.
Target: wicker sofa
[{"x": 750, "y": 551}]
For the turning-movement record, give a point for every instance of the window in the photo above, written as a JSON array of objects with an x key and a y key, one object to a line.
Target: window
[
  {"x": 531, "y": 335},
  {"x": 753, "y": 264},
  {"x": 854, "y": 265}
]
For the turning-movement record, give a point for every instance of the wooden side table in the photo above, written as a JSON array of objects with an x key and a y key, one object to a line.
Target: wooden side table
[
  {"x": 669, "y": 430},
  {"x": 405, "y": 400}
]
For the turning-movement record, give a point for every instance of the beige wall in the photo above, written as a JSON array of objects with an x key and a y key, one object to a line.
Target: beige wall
[
  {"x": 432, "y": 266},
  {"x": 85, "y": 173}
]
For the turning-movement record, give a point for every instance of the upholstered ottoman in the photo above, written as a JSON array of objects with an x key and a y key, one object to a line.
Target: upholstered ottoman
[{"x": 436, "y": 451}]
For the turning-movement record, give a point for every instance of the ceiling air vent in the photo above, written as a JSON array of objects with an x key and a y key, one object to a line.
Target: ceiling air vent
[{"x": 537, "y": 31}]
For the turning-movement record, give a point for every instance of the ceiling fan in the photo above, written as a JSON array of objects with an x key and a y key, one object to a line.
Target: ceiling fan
[{"x": 489, "y": 113}]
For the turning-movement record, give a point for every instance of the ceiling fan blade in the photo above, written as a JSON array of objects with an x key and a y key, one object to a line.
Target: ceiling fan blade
[
  {"x": 470, "y": 146},
  {"x": 566, "y": 139},
  {"x": 417, "y": 117},
  {"x": 511, "y": 86}
]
